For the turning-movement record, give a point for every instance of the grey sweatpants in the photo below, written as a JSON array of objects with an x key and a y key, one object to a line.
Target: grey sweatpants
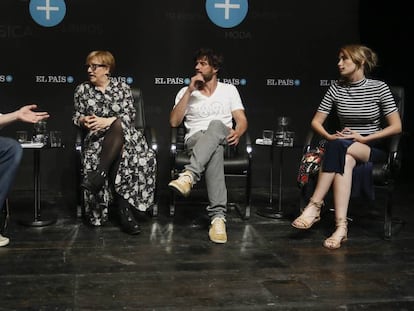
[{"x": 207, "y": 156}]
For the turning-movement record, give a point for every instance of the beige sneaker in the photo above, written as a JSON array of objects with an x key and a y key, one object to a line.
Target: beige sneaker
[
  {"x": 217, "y": 232},
  {"x": 183, "y": 184},
  {"x": 3, "y": 240}
]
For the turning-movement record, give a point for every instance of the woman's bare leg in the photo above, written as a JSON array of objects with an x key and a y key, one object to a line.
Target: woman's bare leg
[
  {"x": 342, "y": 186},
  {"x": 311, "y": 213}
]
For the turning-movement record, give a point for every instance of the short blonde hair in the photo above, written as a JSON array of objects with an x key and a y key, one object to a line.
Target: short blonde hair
[{"x": 104, "y": 57}]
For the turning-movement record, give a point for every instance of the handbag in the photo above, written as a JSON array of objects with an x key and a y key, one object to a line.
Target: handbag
[{"x": 310, "y": 163}]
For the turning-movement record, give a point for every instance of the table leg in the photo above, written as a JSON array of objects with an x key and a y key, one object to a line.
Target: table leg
[
  {"x": 37, "y": 219},
  {"x": 271, "y": 177},
  {"x": 279, "y": 212},
  {"x": 269, "y": 211}
]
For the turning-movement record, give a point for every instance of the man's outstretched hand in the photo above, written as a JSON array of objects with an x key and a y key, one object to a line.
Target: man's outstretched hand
[{"x": 26, "y": 114}]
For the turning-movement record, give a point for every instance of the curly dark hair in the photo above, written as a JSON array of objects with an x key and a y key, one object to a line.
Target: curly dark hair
[{"x": 214, "y": 59}]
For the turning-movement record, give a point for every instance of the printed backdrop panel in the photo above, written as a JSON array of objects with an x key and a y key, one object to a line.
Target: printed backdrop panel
[{"x": 280, "y": 54}]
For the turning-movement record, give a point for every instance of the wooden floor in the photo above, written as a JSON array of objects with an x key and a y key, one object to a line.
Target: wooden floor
[{"x": 172, "y": 265}]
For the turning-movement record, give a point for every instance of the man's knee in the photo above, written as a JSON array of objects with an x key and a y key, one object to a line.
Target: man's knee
[
  {"x": 216, "y": 126},
  {"x": 14, "y": 152}
]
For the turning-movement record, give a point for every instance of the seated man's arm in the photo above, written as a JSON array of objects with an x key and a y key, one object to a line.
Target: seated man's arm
[
  {"x": 240, "y": 119},
  {"x": 24, "y": 114}
]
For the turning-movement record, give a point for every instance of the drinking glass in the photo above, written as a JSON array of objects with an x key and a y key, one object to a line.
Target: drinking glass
[
  {"x": 21, "y": 136},
  {"x": 55, "y": 139},
  {"x": 267, "y": 137},
  {"x": 40, "y": 132},
  {"x": 289, "y": 139}
]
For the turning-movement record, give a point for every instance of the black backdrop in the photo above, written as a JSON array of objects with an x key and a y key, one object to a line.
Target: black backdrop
[{"x": 282, "y": 57}]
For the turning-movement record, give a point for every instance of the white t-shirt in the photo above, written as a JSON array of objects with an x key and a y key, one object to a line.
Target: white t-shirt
[{"x": 202, "y": 109}]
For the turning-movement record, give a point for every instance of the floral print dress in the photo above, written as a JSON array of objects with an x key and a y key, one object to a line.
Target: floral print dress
[{"x": 135, "y": 178}]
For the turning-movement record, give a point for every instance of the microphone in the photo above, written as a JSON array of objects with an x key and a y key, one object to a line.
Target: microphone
[{"x": 199, "y": 84}]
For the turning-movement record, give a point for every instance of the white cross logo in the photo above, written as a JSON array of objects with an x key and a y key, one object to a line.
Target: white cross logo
[
  {"x": 47, "y": 8},
  {"x": 226, "y": 6}
]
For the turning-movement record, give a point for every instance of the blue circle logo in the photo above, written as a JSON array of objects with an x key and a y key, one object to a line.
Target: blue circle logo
[
  {"x": 70, "y": 79},
  {"x": 227, "y": 13},
  {"x": 9, "y": 78},
  {"x": 47, "y": 13},
  {"x": 129, "y": 80}
]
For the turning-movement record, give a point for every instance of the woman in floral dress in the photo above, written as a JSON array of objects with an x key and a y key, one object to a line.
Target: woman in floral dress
[{"x": 118, "y": 166}]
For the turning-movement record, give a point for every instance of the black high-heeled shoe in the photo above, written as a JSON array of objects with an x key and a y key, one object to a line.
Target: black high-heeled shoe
[
  {"x": 127, "y": 219},
  {"x": 94, "y": 181}
]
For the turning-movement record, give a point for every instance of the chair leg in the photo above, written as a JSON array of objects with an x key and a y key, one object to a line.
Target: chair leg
[
  {"x": 4, "y": 217},
  {"x": 154, "y": 210},
  {"x": 247, "y": 212},
  {"x": 248, "y": 197},
  {"x": 388, "y": 215},
  {"x": 154, "y": 207},
  {"x": 172, "y": 204},
  {"x": 80, "y": 207},
  {"x": 244, "y": 213}
]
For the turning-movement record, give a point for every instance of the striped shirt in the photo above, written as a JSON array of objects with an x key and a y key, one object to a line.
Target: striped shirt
[{"x": 360, "y": 105}]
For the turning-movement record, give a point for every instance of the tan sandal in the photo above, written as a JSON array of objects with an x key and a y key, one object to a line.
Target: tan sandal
[
  {"x": 335, "y": 240},
  {"x": 305, "y": 222}
]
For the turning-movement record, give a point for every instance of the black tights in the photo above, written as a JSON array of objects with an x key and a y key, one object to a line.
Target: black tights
[
  {"x": 109, "y": 163},
  {"x": 111, "y": 150}
]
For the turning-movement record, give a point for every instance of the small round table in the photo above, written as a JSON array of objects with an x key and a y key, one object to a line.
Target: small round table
[
  {"x": 268, "y": 210},
  {"x": 37, "y": 220}
]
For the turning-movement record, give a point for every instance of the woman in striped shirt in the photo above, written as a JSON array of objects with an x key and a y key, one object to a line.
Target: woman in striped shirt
[{"x": 360, "y": 104}]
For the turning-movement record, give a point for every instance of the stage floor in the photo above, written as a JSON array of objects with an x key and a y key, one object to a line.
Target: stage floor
[{"x": 265, "y": 265}]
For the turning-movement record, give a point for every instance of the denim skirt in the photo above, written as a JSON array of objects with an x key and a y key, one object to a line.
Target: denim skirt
[{"x": 334, "y": 156}]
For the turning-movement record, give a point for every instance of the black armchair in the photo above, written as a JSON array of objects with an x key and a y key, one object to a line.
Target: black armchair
[
  {"x": 140, "y": 125},
  {"x": 384, "y": 174},
  {"x": 237, "y": 164}
]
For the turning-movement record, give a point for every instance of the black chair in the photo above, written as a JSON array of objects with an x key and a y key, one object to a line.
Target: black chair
[
  {"x": 4, "y": 217},
  {"x": 384, "y": 174},
  {"x": 237, "y": 164},
  {"x": 140, "y": 125}
]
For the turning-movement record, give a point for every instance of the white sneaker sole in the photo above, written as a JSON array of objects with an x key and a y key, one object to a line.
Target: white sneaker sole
[{"x": 4, "y": 242}]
